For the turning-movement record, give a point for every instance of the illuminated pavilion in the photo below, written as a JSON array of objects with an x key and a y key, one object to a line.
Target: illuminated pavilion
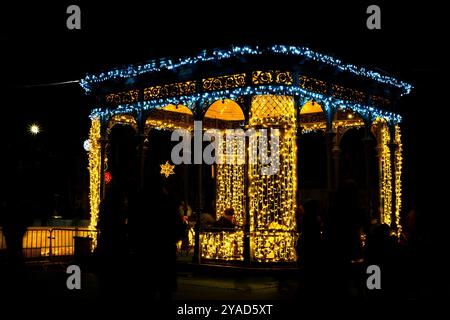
[{"x": 295, "y": 89}]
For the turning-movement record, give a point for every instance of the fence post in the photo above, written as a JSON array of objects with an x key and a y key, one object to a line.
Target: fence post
[{"x": 50, "y": 245}]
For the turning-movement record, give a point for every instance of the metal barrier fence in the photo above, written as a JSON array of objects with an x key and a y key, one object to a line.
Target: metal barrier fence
[{"x": 49, "y": 242}]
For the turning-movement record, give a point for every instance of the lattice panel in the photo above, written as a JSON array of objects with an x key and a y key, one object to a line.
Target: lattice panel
[
  {"x": 169, "y": 90},
  {"x": 224, "y": 82},
  {"x": 123, "y": 97},
  {"x": 313, "y": 84},
  {"x": 272, "y": 77},
  {"x": 272, "y": 110}
]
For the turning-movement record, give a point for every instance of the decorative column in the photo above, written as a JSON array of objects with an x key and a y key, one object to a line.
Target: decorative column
[
  {"x": 332, "y": 150},
  {"x": 336, "y": 155},
  {"x": 385, "y": 165},
  {"x": 298, "y": 103},
  {"x": 142, "y": 149},
  {"x": 398, "y": 181},
  {"x": 367, "y": 141},
  {"x": 272, "y": 199},
  {"x": 395, "y": 147},
  {"x": 246, "y": 105},
  {"x": 368, "y": 145},
  {"x": 103, "y": 143},
  {"x": 198, "y": 114},
  {"x": 97, "y": 153}
]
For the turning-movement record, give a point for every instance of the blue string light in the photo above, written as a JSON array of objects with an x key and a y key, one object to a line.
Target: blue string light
[
  {"x": 168, "y": 64},
  {"x": 367, "y": 112}
]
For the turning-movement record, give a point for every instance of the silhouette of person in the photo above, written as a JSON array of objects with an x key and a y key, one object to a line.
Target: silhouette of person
[
  {"x": 14, "y": 219},
  {"x": 111, "y": 249},
  {"x": 311, "y": 231},
  {"x": 226, "y": 220},
  {"x": 343, "y": 235},
  {"x": 15, "y": 216},
  {"x": 168, "y": 229}
]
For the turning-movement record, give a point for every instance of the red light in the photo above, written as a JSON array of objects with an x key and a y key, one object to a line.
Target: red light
[{"x": 108, "y": 177}]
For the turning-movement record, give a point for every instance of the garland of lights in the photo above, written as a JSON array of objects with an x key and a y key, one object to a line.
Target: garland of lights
[
  {"x": 230, "y": 193},
  {"x": 230, "y": 184},
  {"x": 386, "y": 176},
  {"x": 398, "y": 181},
  {"x": 367, "y": 112},
  {"x": 387, "y": 170},
  {"x": 94, "y": 176},
  {"x": 222, "y": 245},
  {"x": 236, "y": 51},
  {"x": 272, "y": 198}
]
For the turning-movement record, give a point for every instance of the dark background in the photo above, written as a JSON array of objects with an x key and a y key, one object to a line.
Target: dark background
[{"x": 37, "y": 49}]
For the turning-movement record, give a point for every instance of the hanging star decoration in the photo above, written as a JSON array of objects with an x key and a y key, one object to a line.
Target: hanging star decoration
[{"x": 167, "y": 169}]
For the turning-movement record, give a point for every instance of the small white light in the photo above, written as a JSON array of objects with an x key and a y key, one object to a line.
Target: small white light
[
  {"x": 34, "y": 129},
  {"x": 87, "y": 145}
]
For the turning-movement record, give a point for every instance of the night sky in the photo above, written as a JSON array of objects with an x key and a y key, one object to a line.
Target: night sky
[{"x": 37, "y": 49}]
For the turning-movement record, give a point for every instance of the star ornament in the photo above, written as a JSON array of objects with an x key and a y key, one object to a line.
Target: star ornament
[{"x": 167, "y": 169}]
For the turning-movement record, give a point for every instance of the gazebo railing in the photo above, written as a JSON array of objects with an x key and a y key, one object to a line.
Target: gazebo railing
[{"x": 48, "y": 242}]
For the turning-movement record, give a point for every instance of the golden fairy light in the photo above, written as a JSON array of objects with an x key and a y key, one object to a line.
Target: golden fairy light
[
  {"x": 230, "y": 183},
  {"x": 167, "y": 169},
  {"x": 386, "y": 176},
  {"x": 398, "y": 181},
  {"x": 94, "y": 175},
  {"x": 223, "y": 245},
  {"x": 273, "y": 197}
]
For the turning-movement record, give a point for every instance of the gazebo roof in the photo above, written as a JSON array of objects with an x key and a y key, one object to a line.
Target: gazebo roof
[
  {"x": 220, "y": 55},
  {"x": 241, "y": 71}
]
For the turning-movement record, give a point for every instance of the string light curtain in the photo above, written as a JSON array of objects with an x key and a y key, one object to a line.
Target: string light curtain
[
  {"x": 272, "y": 202},
  {"x": 386, "y": 175},
  {"x": 398, "y": 181},
  {"x": 223, "y": 245},
  {"x": 230, "y": 182},
  {"x": 230, "y": 193},
  {"x": 94, "y": 175}
]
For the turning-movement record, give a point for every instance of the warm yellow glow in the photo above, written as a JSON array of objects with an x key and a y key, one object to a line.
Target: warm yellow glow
[
  {"x": 311, "y": 107},
  {"x": 45, "y": 241},
  {"x": 398, "y": 181},
  {"x": 190, "y": 243},
  {"x": 177, "y": 108},
  {"x": 354, "y": 123},
  {"x": 34, "y": 129},
  {"x": 387, "y": 170},
  {"x": 225, "y": 110},
  {"x": 230, "y": 184},
  {"x": 270, "y": 110},
  {"x": 123, "y": 119},
  {"x": 313, "y": 127},
  {"x": 222, "y": 245},
  {"x": 275, "y": 246},
  {"x": 166, "y": 125},
  {"x": 273, "y": 197},
  {"x": 386, "y": 176},
  {"x": 167, "y": 169},
  {"x": 94, "y": 175}
]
